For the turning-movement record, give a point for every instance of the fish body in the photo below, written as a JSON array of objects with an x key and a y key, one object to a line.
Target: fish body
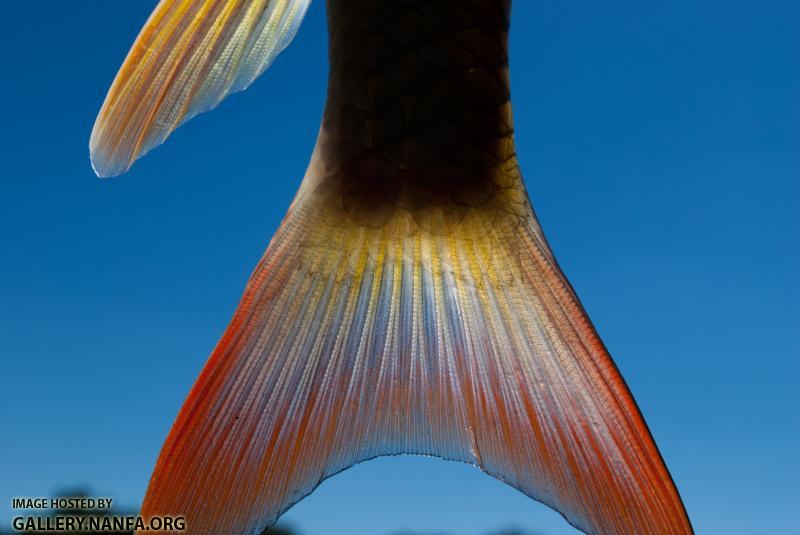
[{"x": 409, "y": 302}]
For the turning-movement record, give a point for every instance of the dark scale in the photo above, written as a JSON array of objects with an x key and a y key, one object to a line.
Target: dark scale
[{"x": 418, "y": 112}]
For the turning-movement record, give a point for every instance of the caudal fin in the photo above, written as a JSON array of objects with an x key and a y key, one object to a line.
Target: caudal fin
[{"x": 461, "y": 340}]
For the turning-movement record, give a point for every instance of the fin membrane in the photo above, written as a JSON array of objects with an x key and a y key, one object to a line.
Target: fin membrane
[{"x": 189, "y": 56}]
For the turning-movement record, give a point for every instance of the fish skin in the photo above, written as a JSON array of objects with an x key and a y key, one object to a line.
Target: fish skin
[{"x": 418, "y": 115}]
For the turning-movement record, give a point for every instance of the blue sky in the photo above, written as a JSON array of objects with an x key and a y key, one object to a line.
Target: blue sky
[{"x": 660, "y": 143}]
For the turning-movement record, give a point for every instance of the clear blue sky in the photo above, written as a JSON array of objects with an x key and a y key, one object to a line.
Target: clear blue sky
[{"x": 660, "y": 142}]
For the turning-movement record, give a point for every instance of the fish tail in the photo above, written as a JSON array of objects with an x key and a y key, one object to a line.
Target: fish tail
[
  {"x": 455, "y": 337},
  {"x": 409, "y": 302}
]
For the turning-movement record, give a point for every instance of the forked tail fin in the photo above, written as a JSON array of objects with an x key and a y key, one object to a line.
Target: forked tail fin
[{"x": 458, "y": 340}]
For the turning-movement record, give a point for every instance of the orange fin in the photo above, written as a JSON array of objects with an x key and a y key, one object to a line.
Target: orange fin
[
  {"x": 189, "y": 56},
  {"x": 465, "y": 343}
]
